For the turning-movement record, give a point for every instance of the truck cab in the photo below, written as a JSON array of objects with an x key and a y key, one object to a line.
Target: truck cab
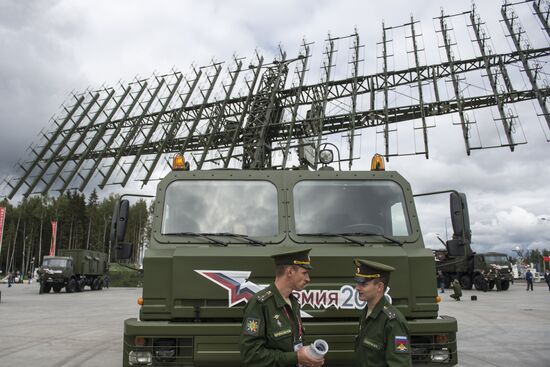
[
  {"x": 213, "y": 233},
  {"x": 73, "y": 269}
]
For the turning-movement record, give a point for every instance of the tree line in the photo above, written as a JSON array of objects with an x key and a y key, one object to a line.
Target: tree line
[{"x": 82, "y": 223}]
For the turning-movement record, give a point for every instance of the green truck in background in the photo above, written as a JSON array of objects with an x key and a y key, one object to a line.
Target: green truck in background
[
  {"x": 473, "y": 269},
  {"x": 214, "y": 231},
  {"x": 73, "y": 269}
]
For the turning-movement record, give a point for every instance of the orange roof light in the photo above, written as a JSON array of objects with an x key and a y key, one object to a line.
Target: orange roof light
[
  {"x": 140, "y": 301},
  {"x": 179, "y": 163},
  {"x": 377, "y": 163}
]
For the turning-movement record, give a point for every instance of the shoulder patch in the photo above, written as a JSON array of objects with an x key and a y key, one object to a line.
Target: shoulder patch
[
  {"x": 251, "y": 326},
  {"x": 263, "y": 296},
  {"x": 391, "y": 315},
  {"x": 401, "y": 344}
]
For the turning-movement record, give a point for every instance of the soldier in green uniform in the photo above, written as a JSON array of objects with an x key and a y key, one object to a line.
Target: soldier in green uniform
[
  {"x": 457, "y": 290},
  {"x": 272, "y": 331},
  {"x": 383, "y": 338}
]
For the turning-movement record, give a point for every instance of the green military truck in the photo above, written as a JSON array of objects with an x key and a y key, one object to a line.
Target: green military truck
[
  {"x": 213, "y": 233},
  {"x": 475, "y": 269},
  {"x": 73, "y": 270}
]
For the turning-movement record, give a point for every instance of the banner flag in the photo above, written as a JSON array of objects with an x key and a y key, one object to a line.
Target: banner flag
[
  {"x": 2, "y": 218},
  {"x": 54, "y": 237}
]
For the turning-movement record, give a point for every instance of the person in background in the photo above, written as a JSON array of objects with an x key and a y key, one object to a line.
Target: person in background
[
  {"x": 529, "y": 279},
  {"x": 441, "y": 281},
  {"x": 547, "y": 278},
  {"x": 457, "y": 290}
]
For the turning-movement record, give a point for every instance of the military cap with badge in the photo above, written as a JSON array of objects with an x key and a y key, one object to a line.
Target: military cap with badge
[
  {"x": 297, "y": 257},
  {"x": 368, "y": 270}
]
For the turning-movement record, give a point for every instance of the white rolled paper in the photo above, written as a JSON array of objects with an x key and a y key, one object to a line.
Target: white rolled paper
[{"x": 317, "y": 349}]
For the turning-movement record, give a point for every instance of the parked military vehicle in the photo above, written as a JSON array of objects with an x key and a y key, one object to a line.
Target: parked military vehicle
[
  {"x": 213, "y": 233},
  {"x": 73, "y": 270},
  {"x": 475, "y": 269}
]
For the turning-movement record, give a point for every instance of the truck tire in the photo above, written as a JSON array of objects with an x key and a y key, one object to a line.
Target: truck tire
[
  {"x": 45, "y": 288},
  {"x": 479, "y": 282},
  {"x": 491, "y": 285},
  {"x": 95, "y": 284},
  {"x": 100, "y": 285},
  {"x": 466, "y": 282},
  {"x": 80, "y": 285},
  {"x": 57, "y": 288},
  {"x": 505, "y": 285},
  {"x": 70, "y": 287}
]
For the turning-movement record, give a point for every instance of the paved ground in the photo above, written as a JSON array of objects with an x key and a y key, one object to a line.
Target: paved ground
[{"x": 62, "y": 330}]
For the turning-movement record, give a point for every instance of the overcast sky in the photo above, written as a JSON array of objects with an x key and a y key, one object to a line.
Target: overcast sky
[{"x": 50, "y": 48}]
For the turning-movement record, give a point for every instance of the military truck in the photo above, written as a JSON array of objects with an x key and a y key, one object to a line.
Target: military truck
[
  {"x": 213, "y": 233},
  {"x": 475, "y": 269},
  {"x": 73, "y": 270}
]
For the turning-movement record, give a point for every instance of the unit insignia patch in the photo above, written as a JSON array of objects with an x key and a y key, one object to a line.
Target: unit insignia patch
[
  {"x": 401, "y": 344},
  {"x": 252, "y": 326}
]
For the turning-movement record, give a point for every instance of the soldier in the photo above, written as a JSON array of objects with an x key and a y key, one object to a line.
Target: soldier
[
  {"x": 383, "y": 338},
  {"x": 457, "y": 290},
  {"x": 272, "y": 330}
]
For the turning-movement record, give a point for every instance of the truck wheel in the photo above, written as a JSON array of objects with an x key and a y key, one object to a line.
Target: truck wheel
[
  {"x": 505, "y": 285},
  {"x": 70, "y": 286},
  {"x": 466, "y": 282},
  {"x": 95, "y": 284},
  {"x": 46, "y": 288},
  {"x": 100, "y": 285},
  {"x": 80, "y": 285},
  {"x": 491, "y": 285},
  {"x": 479, "y": 282},
  {"x": 57, "y": 288}
]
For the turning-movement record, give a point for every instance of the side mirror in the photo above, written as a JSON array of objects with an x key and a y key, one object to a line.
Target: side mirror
[
  {"x": 124, "y": 250},
  {"x": 119, "y": 221},
  {"x": 460, "y": 217}
]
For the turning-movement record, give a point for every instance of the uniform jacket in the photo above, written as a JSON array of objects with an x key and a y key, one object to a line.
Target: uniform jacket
[
  {"x": 529, "y": 275},
  {"x": 457, "y": 289},
  {"x": 383, "y": 338},
  {"x": 270, "y": 330}
]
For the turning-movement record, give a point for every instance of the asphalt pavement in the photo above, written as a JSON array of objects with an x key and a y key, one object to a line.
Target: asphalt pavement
[{"x": 510, "y": 328}]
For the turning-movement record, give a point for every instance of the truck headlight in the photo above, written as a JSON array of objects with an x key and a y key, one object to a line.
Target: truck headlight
[
  {"x": 139, "y": 358},
  {"x": 439, "y": 356}
]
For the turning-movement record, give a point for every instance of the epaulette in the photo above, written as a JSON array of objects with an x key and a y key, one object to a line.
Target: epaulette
[
  {"x": 262, "y": 297},
  {"x": 391, "y": 315}
]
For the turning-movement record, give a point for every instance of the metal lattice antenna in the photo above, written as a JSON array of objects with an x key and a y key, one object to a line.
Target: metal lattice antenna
[{"x": 113, "y": 135}]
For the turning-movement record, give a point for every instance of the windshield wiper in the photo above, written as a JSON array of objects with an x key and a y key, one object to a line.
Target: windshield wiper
[
  {"x": 389, "y": 238},
  {"x": 242, "y": 236},
  {"x": 341, "y": 235},
  {"x": 198, "y": 234}
]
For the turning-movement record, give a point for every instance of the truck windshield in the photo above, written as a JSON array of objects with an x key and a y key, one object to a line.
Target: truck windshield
[
  {"x": 496, "y": 259},
  {"x": 350, "y": 207},
  {"x": 55, "y": 263},
  {"x": 243, "y": 207}
]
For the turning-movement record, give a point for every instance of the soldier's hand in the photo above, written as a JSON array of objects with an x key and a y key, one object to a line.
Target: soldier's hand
[{"x": 305, "y": 360}]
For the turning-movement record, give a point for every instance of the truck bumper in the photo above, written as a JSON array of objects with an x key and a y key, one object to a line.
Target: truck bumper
[{"x": 164, "y": 343}]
